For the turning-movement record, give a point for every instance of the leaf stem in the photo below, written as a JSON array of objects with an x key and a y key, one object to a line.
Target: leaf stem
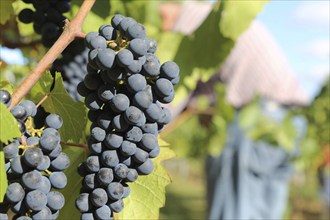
[
  {"x": 74, "y": 144},
  {"x": 71, "y": 31}
]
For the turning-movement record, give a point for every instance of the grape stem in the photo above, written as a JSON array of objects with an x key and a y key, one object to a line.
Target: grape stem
[{"x": 71, "y": 31}]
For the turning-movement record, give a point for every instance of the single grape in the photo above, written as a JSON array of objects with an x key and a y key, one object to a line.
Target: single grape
[
  {"x": 58, "y": 180},
  {"x": 55, "y": 200},
  {"x": 15, "y": 192},
  {"x": 148, "y": 142},
  {"x": 26, "y": 16},
  {"x": 121, "y": 171},
  {"x": 18, "y": 112},
  {"x": 124, "y": 57},
  {"x": 98, "y": 197},
  {"x": 115, "y": 190},
  {"x": 113, "y": 140},
  {"x": 105, "y": 58},
  {"x": 119, "y": 123},
  {"x": 44, "y": 164},
  {"x": 98, "y": 133},
  {"x": 45, "y": 185},
  {"x": 30, "y": 107},
  {"x": 54, "y": 121},
  {"x": 105, "y": 176},
  {"x": 116, "y": 20},
  {"x": 11, "y": 150},
  {"x": 138, "y": 47},
  {"x": 120, "y": 103},
  {"x": 127, "y": 148},
  {"x": 163, "y": 87},
  {"x": 140, "y": 155},
  {"x": 44, "y": 213},
  {"x": 110, "y": 158},
  {"x": 33, "y": 156},
  {"x": 93, "y": 164},
  {"x": 116, "y": 206},
  {"x": 136, "y": 83},
  {"x": 82, "y": 202},
  {"x": 36, "y": 200},
  {"x": 61, "y": 162},
  {"x": 132, "y": 175},
  {"x": 136, "y": 31},
  {"x": 32, "y": 180},
  {"x": 103, "y": 212},
  {"x": 151, "y": 67},
  {"x": 146, "y": 168},
  {"x": 134, "y": 134}
]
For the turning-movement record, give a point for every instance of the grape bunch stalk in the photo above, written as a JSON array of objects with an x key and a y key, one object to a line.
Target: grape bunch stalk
[
  {"x": 124, "y": 89},
  {"x": 34, "y": 165}
]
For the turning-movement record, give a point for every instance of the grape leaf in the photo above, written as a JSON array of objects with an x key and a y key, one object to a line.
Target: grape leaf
[
  {"x": 71, "y": 191},
  {"x": 6, "y": 10},
  {"x": 8, "y": 125},
  {"x": 3, "y": 175},
  {"x": 148, "y": 192},
  {"x": 231, "y": 25},
  {"x": 59, "y": 102}
]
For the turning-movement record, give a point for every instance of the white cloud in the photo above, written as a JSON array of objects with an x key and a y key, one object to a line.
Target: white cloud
[
  {"x": 318, "y": 49},
  {"x": 313, "y": 13}
]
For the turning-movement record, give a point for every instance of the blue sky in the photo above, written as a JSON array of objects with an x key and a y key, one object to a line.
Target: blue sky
[{"x": 302, "y": 30}]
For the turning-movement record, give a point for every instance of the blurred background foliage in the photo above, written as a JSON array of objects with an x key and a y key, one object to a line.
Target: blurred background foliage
[{"x": 199, "y": 129}]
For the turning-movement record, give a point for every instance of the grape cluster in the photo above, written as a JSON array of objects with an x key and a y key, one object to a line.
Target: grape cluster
[
  {"x": 47, "y": 19},
  {"x": 123, "y": 89},
  {"x": 72, "y": 66},
  {"x": 34, "y": 165}
]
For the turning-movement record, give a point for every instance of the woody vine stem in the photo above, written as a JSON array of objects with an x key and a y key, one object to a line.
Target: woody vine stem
[{"x": 71, "y": 31}]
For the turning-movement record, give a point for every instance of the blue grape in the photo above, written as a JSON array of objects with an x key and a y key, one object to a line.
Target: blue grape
[
  {"x": 61, "y": 162},
  {"x": 5, "y": 97},
  {"x": 134, "y": 134},
  {"x": 95, "y": 147},
  {"x": 151, "y": 128},
  {"x": 151, "y": 67},
  {"x": 32, "y": 180},
  {"x": 97, "y": 42},
  {"x": 134, "y": 116},
  {"x": 92, "y": 81},
  {"x": 134, "y": 67},
  {"x": 136, "y": 31},
  {"x": 105, "y": 58},
  {"x": 93, "y": 164},
  {"x": 26, "y": 16},
  {"x": 104, "y": 121},
  {"x": 87, "y": 216},
  {"x": 54, "y": 121},
  {"x": 108, "y": 32},
  {"x": 169, "y": 70},
  {"x": 93, "y": 102},
  {"x": 151, "y": 44},
  {"x": 142, "y": 99},
  {"x": 89, "y": 37},
  {"x": 140, "y": 155},
  {"x": 44, "y": 164},
  {"x": 113, "y": 140},
  {"x": 82, "y": 202},
  {"x": 44, "y": 213},
  {"x": 98, "y": 197},
  {"x": 127, "y": 148},
  {"x": 115, "y": 190},
  {"x": 116, "y": 19},
  {"x": 49, "y": 142},
  {"x": 146, "y": 168},
  {"x": 105, "y": 176},
  {"x": 124, "y": 57},
  {"x": 89, "y": 181},
  {"x": 155, "y": 152},
  {"x": 116, "y": 206},
  {"x": 148, "y": 142},
  {"x": 153, "y": 112},
  {"x": 45, "y": 185},
  {"x": 163, "y": 87},
  {"x": 11, "y": 150},
  {"x": 119, "y": 123},
  {"x": 55, "y": 200},
  {"x": 33, "y": 156},
  {"x": 106, "y": 92},
  {"x": 15, "y": 192},
  {"x": 121, "y": 171},
  {"x": 98, "y": 133},
  {"x": 36, "y": 200},
  {"x": 125, "y": 23},
  {"x": 17, "y": 166},
  {"x": 103, "y": 212},
  {"x": 136, "y": 83},
  {"x": 29, "y": 107},
  {"x": 32, "y": 141},
  {"x": 18, "y": 112},
  {"x": 110, "y": 158},
  {"x": 120, "y": 103},
  {"x": 132, "y": 175},
  {"x": 58, "y": 180},
  {"x": 138, "y": 47}
]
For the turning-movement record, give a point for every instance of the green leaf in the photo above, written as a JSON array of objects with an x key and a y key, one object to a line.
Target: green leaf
[
  {"x": 201, "y": 54},
  {"x": 8, "y": 125},
  {"x": 72, "y": 190},
  {"x": 3, "y": 175},
  {"x": 59, "y": 102},
  {"x": 148, "y": 192},
  {"x": 237, "y": 16},
  {"x": 6, "y": 10}
]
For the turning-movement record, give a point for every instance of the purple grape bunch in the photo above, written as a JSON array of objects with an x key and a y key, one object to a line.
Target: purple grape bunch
[
  {"x": 34, "y": 164},
  {"x": 124, "y": 89}
]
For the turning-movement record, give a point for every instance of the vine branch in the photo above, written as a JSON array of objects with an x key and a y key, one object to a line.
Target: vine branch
[{"x": 71, "y": 31}]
